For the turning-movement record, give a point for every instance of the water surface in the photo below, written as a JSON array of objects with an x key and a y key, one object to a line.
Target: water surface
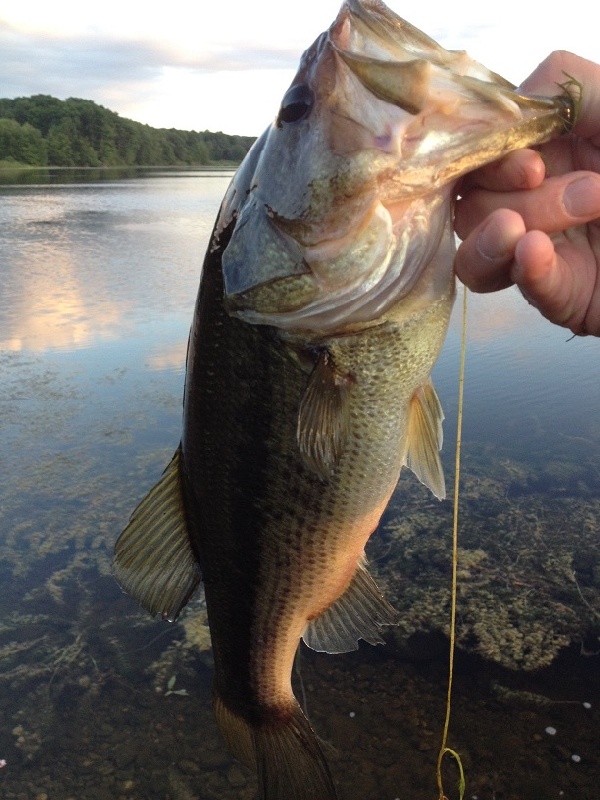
[{"x": 99, "y": 276}]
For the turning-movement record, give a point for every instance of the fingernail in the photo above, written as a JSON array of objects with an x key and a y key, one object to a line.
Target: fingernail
[
  {"x": 493, "y": 244},
  {"x": 581, "y": 198}
]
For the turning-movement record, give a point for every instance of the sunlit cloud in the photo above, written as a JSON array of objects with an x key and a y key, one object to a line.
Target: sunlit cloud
[
  {"x": 71, "y": 67},
  {"x": 146, "y": 80}
]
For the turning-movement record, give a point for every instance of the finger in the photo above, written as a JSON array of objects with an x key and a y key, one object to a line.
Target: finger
[
  {"x": 484, "y": 259},
  {"x": 556, "y": 70},
  {"x": 541, "y": 277},
  {"x": 559, "y": 203},
  {"x": 521, "y": 169},
  {"x": 557, "y": 280}
]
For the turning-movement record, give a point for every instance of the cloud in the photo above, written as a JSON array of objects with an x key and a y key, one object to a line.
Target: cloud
[
  {"x": 65, "y": 66},
  {"x": 241, "y": 56},
  {"x": 70, "y": 66}
]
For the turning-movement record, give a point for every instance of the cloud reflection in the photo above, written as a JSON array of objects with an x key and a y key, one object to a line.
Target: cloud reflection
[
  {"x": 58, "y": 317},
  {"x": 171, "y": 357},
  {"x": 62, "y": 323},
  {"x": 490, "y": 316}
]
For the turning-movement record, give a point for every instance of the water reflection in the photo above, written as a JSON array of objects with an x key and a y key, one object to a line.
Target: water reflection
[
  {"x": 171, "y": 357},
  {"x": 42, "y": 176},
  {"x": 47, "y": 315},
  {"x": 98, "y": 285},
  {"x": 74, "y": 273},
  {"x": 518, "y": 368}
]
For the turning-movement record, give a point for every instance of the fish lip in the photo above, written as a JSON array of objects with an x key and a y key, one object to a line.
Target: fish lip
[{"x": 382, "y": 27}]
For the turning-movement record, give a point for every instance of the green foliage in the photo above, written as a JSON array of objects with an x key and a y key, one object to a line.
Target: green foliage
[
  {"x": 171, "y": 688},
  {"x": 22, "y": 144},
  {"x": 42, "y": 130}
]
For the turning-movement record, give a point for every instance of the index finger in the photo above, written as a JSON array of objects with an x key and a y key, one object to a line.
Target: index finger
[
  {"x": 521, "y": 169},
  {"x": 557, "y": 204},
  {"x": 554, "y": 72}
]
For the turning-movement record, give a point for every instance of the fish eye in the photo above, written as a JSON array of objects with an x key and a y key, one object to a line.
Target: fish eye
[{"x": 297, "y": 103}]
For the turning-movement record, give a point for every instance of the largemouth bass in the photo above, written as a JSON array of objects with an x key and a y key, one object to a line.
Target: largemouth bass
[{"x": 323, "y": 304}]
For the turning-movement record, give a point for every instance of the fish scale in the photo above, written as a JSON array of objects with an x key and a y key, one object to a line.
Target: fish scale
[{"x": 323, "y": 304}]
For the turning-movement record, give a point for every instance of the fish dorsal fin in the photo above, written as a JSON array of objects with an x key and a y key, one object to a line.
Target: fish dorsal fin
[
  {"x": 359, "y": 613},
  {"x": 324, "y": 417},
  {"x": 425, "y": 438},
  {"x": 154, "y": 561}
]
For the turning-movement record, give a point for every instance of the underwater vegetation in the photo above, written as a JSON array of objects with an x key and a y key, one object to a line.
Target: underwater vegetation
[
  {"x": 529, "y": 564},
  {"x": 81, "y": 668}
]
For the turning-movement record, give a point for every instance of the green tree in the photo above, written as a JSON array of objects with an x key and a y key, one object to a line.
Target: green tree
[
  {"x": 78, "y": 132},
  {"x": 59, "y": 149},
  {"x": 21, "y": 143}
]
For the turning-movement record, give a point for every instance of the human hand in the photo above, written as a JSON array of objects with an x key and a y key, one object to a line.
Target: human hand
[{"x": 545, "y": 239}]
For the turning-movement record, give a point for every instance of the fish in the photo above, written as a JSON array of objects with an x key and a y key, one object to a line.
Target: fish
[{"x": 323, "y": 304}]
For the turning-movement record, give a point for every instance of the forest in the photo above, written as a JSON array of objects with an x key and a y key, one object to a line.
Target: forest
[{"x": 44, "y": 131}]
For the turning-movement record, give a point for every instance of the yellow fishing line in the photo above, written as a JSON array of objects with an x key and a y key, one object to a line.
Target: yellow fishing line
[{"x": 444, "y": 746}]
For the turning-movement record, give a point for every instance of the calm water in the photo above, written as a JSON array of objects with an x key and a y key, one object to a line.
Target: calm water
[{"x": 99, "y": 276}]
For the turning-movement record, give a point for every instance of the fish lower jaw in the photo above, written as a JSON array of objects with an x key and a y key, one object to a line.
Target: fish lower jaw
[{"x": 356, "y": 288}]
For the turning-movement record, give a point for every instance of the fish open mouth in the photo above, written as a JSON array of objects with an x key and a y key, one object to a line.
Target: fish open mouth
[{"x": 352, "y": 204}]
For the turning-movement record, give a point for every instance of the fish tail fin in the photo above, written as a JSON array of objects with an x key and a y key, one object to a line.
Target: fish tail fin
[
  {"x": 283, "y": 750},
  {"x": 290, "y": 762},
  {"x": 236, "y": 732}
]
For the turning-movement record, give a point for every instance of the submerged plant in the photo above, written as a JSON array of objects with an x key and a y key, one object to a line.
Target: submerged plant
[{"x": 171, "y": 690}]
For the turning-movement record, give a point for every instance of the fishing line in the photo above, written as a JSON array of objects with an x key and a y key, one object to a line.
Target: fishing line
[{"x": 444, "y": 746}]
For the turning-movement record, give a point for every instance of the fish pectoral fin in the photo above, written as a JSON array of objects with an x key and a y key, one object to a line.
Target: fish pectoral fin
[
  {"x": 324, "y": 417},
  {"x": 425, "y": 438},
  {"x": 360, "y": 613},
  {"x": 154, "y": 561},
  {"x": 284, "y": 750}
]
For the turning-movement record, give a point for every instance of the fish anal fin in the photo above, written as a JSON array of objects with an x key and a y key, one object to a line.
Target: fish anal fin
[
  {"x": 424, "y": 439},
  {"x": 360, "y": 613},
  {"x": 153, "y": 559},
  {"x": 324, "y": 416}
]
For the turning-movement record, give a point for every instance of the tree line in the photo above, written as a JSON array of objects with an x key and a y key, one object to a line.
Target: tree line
[{"x": 44, "y": 131}]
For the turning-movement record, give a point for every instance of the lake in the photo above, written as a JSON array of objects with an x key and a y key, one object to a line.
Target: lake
[{"x": 99, "y": 275}]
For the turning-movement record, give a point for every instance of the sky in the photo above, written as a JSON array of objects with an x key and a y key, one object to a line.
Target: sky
[{"x": 225, "y": 65}]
